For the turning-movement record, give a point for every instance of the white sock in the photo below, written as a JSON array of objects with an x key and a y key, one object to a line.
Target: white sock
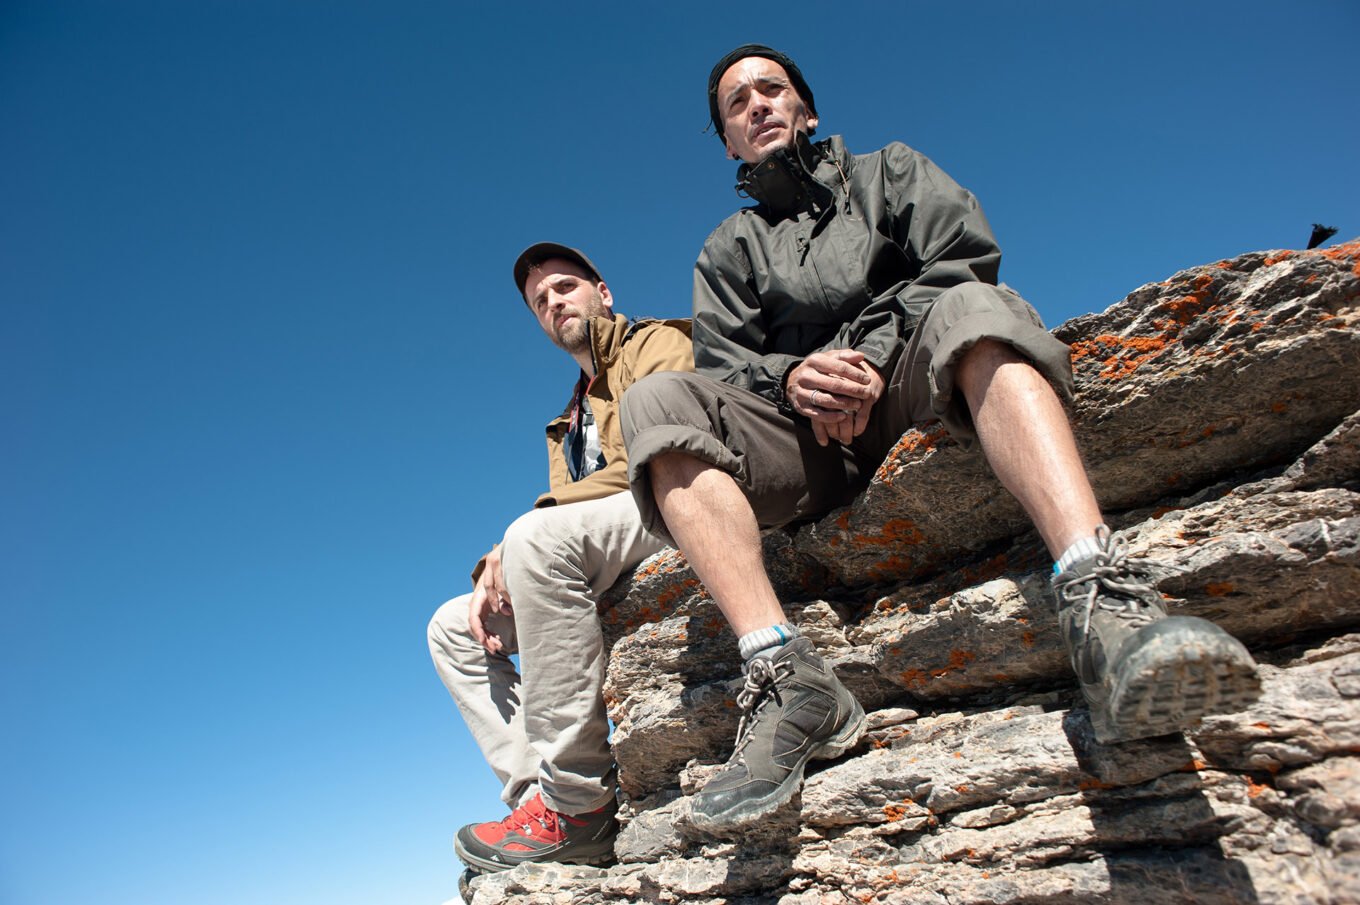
[
  {"x": 1082, "y": 549},
  {"x": 764, "y": 639}
]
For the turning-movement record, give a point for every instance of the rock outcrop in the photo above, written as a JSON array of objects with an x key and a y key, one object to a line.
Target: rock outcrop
[{"x": 1219, "y": 413}]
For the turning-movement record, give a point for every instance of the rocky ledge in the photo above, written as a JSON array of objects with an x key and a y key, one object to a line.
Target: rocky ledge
[{"x": 1218, "y": 413}]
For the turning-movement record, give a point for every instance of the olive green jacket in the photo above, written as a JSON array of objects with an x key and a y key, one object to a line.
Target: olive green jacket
[{"x": 841, "y": 251}]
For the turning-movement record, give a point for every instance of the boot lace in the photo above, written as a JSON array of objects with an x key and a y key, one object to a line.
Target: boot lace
[
  {"x": 763, "y": 676},
  {"x": 1113, "y": 585},
  {"x": 523, "y": 818}
]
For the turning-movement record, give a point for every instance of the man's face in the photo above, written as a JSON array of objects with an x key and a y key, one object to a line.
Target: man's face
[
  {"x": 562, "y": 295},
  {"x": 761, "y": 110}
]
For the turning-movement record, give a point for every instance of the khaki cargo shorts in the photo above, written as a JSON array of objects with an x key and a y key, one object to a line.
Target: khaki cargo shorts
[{"x": 773, "y": 455}]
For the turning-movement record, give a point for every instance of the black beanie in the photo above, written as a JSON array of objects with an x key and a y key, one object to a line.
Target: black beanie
[{"x": 754, "y": 50}]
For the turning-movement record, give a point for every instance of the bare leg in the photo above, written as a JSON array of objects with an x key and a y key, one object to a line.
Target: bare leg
[
  {"x": 713, "y": 525},
  {"x": 1028, "y": 443}
]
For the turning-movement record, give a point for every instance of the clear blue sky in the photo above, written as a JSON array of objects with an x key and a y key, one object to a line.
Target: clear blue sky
[{"x": 269, "y": 391}]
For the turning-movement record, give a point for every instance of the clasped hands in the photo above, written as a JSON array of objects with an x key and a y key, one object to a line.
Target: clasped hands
[{"x": 836, "y": 391}]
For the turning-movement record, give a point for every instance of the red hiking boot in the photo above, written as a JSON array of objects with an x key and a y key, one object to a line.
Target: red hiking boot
[{"x": 533, "y": 833}]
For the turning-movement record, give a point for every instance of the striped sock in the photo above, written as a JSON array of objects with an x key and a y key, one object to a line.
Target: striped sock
[
  {"x": 1082, "y": 549},
  {"x": 765, "y": 639}
]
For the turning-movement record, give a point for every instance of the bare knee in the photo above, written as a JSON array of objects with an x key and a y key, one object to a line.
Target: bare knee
[
  {"x": 987, "y": 361},
  {"x": 676, "y": 471}
]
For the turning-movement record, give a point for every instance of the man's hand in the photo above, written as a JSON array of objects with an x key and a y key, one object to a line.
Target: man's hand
[
  {"x": 488, "y": 597},
  {"x": 836, "y": 390}
]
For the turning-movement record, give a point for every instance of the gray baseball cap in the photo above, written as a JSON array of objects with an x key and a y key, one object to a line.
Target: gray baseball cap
[{"x": 539, "y": 252}]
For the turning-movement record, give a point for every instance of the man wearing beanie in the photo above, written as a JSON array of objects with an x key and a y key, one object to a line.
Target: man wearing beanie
[
  {"x": 545, "y": 733},
  {"x": 856, "y": 298}
]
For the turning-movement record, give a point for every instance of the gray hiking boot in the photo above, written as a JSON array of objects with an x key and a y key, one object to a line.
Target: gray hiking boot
[
  {"x": 793, "y": 709},
  {"x": 1143, "y": 672}
]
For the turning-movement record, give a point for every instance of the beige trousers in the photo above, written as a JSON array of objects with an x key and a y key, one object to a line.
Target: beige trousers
[{"x": 543, "y": 728}]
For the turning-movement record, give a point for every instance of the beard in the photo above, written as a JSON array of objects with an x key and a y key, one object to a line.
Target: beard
[{"x": 574, "y": 336}]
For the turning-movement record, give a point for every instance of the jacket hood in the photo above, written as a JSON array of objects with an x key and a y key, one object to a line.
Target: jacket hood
[{"x": 797, "y": 178}]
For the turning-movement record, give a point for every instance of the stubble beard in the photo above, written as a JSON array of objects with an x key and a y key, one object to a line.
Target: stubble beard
[{"x": 575, "y": 337}]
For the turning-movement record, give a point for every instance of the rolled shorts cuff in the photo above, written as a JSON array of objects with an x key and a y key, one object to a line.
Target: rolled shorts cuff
[
  {"x": 1049, "y": 355},
  {"x": 660, "y": 439}
]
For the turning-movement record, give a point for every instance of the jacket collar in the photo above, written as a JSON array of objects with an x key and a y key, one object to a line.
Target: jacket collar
[
  {"x": 606, "y": 338},
  {"x": 803, "y": 177}
]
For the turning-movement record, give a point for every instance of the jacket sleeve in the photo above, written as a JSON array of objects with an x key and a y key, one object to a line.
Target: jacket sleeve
[
  {"x": 730, "y": 337},
  {"x": 940, "y": 225},
  {"x": 946, "y": 237},
  {"x": 663, "y": 346}
]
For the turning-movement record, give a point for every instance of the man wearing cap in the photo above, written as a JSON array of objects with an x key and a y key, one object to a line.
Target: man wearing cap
[
  {"x": 545, "y": 732},
  {"x": 858, "y": 297}
]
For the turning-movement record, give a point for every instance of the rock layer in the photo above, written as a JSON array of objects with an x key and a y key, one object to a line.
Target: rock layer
[{"x": 1218, "y": 413}]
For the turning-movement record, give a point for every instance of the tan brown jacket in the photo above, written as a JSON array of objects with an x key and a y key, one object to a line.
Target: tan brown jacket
[{"x": 624, "y": 354}]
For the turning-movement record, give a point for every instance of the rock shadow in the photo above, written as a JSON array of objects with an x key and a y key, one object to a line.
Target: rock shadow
[{"x": 1153, "y": 823}]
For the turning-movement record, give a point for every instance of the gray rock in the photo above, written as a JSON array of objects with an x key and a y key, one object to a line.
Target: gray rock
[{"x": 1263, "y": 568}]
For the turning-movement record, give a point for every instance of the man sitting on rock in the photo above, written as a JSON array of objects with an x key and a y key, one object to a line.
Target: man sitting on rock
[
  {"x": 546, "y": 734},
  {"x": 856, "y": 298}
]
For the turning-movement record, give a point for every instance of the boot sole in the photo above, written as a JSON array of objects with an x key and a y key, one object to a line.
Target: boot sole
[
  {"x": 757, "y": 809},
  {"x": 598, "y": 853},
  {"x": 1187, "y": 669}
]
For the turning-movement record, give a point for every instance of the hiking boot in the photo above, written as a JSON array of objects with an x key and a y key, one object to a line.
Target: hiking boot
[
  {"x": 1143, "y": 672},
  {"x": 465, "y": 890},
  {"x": 793, "y": 709},
  {"x": 535, "y": 833}
]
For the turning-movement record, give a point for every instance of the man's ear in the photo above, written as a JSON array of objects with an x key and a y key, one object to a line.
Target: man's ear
[
  {"x": 731, "y": 155},
  {"x": 812, "y": 124},
  {"x": 605, "y": 295}
]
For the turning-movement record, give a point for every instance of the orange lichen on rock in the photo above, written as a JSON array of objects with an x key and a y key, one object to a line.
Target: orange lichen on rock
[
  {"x": 1091, "y": 784},
  {"x": 890, "y": 568},
  {"x": 916, "y": 678},
  {"x": 1121, "y": 356},
  {"x": 1275, "y": 259},
  {"x": 912, "y": 678},
  {"x": 895, "y": 532},
  {"x": 984, "y": 571},
  {"x": 914, "y": 440},
  {"x": 672, "y": 594},
  {"x": 1255, "y": 788},
  {"x": 1350, "y": 251},
  {"x": 664, "y": 564},
  {"x": 842, "y": 524},
  {"x": 894, "y": 812},
  {"x": 1219, "y": 588}
]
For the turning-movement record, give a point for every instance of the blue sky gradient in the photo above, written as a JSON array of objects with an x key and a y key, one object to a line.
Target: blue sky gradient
[{"x": 269, "y": 391}]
